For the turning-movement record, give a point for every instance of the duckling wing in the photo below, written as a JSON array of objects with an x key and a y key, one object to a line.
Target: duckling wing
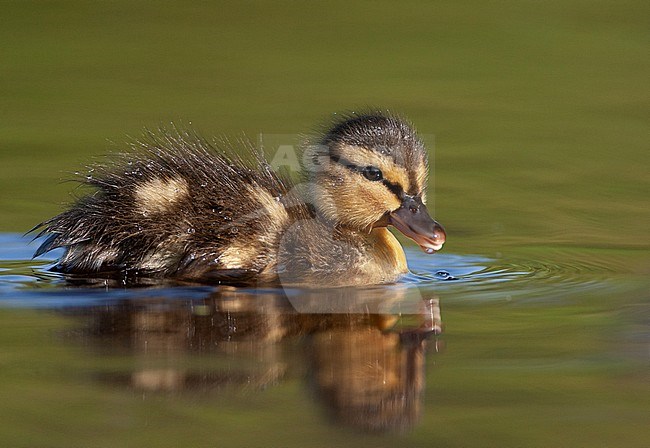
[{"x": 176, "y": 205}]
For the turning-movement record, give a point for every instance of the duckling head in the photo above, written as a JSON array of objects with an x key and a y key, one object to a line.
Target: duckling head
[{"x": 371, "y": 171}]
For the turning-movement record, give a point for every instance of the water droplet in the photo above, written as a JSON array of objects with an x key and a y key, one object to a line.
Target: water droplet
[{"x": 444, "y": 275}]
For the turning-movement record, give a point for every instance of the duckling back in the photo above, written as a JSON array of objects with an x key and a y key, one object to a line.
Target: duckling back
[{"x": 176, "y": 205}]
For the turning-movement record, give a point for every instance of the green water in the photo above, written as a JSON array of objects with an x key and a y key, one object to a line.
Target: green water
[{"x": 536, "y": 117}]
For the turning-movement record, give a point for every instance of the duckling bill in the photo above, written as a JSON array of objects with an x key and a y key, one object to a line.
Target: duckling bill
[{"x": 178, "y": 206}]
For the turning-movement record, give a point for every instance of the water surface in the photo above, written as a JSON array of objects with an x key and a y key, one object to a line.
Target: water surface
[{"x": 507, "y": 347}]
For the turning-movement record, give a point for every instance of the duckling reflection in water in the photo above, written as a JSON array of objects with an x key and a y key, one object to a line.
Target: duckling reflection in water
[
  {"x": 366, "y": 368},
  {"x": 178, "y": 207}
]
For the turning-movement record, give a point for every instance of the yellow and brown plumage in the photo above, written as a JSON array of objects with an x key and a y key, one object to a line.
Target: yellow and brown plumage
[{"x": 177, "y": 206}]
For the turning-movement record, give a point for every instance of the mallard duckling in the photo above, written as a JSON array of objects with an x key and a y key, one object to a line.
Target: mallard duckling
[{"x": 177, "y": 206}]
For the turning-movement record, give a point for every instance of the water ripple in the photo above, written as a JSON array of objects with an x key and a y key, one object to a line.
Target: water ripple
[
  {"x": 532, "y": 273},
  {"x": 550, "y": 274}
]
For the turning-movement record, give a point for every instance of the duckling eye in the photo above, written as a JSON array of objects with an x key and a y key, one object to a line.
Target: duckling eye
[{"x": 372, "y": 173}]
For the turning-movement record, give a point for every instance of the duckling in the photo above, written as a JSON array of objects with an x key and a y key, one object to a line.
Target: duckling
[{"x": 178, "y": 206}]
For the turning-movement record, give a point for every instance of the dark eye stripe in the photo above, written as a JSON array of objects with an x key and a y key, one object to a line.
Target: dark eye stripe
[{"x": 394, "y": 188}]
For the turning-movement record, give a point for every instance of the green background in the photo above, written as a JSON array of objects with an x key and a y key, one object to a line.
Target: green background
[{"x": 539, "y": 109}]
